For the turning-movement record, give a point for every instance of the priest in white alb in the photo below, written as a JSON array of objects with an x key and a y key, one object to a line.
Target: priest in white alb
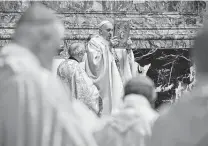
[{"x": 100, "y": 65}]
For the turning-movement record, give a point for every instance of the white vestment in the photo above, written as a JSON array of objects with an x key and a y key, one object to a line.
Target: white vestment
[
  {"x": 101, "y": 68},
  {"x": 78, "y": 83},
  {"x": 35, "y": 110},
  {"x": 131, "y": 126},
  {"x": 128, "y": 68},
  {"x": 56, "y": 62}
]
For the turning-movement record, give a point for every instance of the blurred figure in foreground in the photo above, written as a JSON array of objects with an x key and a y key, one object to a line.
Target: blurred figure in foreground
[
  {"x": 57, "y": 61},
  {"x": 76, "y": 80},
  {"x": 35, "y": 111},
  {"x": 186, "y": 122},
  {"x": 132, "y": 124}
]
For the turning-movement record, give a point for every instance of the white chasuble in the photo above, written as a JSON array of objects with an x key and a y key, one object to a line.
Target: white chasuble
[{"x": 101, "y": 68}]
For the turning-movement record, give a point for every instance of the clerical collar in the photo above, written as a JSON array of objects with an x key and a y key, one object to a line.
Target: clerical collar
[{"x": 73, "y": 59}]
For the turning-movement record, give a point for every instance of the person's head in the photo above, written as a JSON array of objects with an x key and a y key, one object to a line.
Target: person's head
[
  {"x": 200, "y": 51},
  {"x": 40, "y": 31},
  {"x": 77, "y": 50},
  {"x": 141, "y": 85},
  {"x": 58, "y": 53},
  {"x": 106, "y": 29}
]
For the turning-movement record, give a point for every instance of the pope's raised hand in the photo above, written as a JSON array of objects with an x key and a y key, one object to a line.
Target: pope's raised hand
[
  {"x": 129, "y": 41},
  {"x": 114, "y": 41}
]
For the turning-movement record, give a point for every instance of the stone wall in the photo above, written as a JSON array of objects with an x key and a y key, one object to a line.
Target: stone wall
[
  {"x": 162, "y": 31},
  {"x": 163, "y": 24}
]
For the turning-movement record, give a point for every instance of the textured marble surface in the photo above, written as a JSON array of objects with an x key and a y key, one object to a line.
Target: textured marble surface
[
  {"x": 179, "y": 34},
  {"x": 140, "y": 44},
  {"x": 162, "y": 24},
  {"x": 149, "y": 20},
  {"x": 90, "y": 20},
  {"x": 109, "y": 6}
]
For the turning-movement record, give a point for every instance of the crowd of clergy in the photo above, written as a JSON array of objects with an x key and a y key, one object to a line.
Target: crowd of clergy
[{"x": 94, "y": 97}]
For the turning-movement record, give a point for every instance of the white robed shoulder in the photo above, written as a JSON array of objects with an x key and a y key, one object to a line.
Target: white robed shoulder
[{"x": 101, "y": 67}]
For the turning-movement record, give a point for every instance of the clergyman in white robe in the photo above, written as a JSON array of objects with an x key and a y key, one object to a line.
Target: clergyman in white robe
[{"x": 101, "y": 67}]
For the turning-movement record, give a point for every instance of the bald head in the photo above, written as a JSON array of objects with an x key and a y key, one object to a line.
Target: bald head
[
  {"x": 40, "y": 31},
  {"x": 37, "y": 14},
  {"x": 141, "y": 85},
  {"x": 200, "y": 50}
]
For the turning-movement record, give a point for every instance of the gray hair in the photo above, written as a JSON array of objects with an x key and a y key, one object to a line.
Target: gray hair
[
  {"x": 102, "y": 23},
  {"x": 76, "y": 49}
]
